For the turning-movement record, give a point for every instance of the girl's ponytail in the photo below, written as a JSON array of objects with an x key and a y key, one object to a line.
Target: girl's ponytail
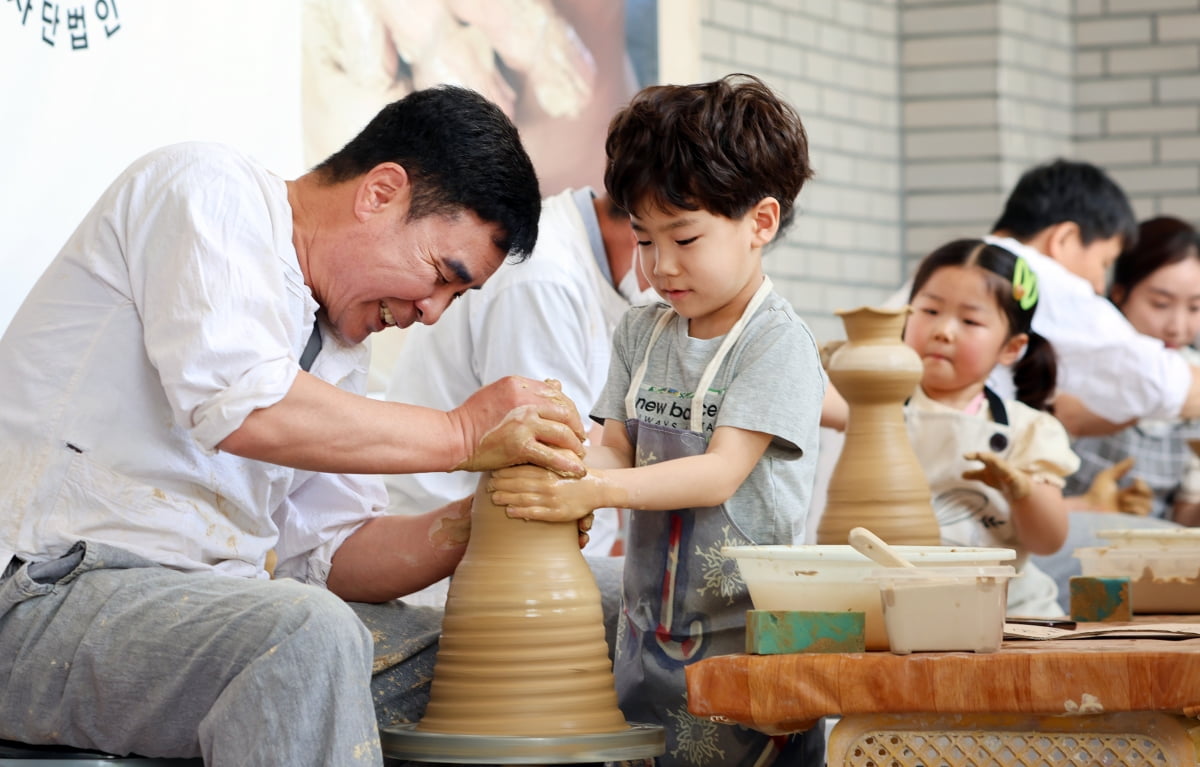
[{"x": 1034, "y": 374}]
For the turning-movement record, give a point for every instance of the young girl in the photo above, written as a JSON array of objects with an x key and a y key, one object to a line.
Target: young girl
[
  {"x": 1156, "y": 285},
  {"x": 972, "y": 304},
  {"x": 712, "y": 404}
]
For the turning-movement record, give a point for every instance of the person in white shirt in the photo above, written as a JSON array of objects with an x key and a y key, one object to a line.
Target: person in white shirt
[
  {"x": 550, "y": 317},
  {"x": 1070, "y": 221},
  {"x": 179, "y": 405}
]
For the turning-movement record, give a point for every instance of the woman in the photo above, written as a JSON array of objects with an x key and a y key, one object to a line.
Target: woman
[{"x": 1156, "y": 285}]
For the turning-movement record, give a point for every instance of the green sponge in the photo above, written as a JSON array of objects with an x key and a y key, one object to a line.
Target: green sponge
[{"x": 773, "y": 632}]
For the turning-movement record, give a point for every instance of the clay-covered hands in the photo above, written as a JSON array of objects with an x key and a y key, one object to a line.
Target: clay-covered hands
[
  {"x": 530, "y": 492},
  {"x": 999, "y": 474},
  {"x": 518, "y": 421},
  {"x": 1106, "y": 494}
]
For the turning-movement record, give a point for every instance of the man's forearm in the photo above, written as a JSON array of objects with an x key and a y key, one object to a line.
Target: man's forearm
[
  {"x": 319, "y": 427},
  {"x": 393, "y": 556}
]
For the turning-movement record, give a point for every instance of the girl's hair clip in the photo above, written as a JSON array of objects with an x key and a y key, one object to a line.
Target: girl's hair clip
[{"x": 1025, "y": 287}]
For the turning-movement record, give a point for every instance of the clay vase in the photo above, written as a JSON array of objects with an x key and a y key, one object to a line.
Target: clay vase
[
  {"x": 522, "y": 651},
  {"x": 877, "y": 482}
]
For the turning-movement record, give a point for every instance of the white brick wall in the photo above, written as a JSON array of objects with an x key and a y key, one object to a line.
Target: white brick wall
[
  {"x": 923, "y": 113},
  {"x": 1139, "y": 99},
  {"x": 986, "y": 88},
  {"x": 836, "y": 61}
]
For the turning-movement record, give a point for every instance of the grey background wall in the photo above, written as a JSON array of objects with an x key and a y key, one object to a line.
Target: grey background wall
[{"x": 923, "y": 113}]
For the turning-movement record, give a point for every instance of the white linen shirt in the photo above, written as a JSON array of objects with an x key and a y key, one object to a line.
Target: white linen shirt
[
  {"x": 175, "y": 309},
  {"x": 1116, "y": 372},
  {"x": 552, "y": 316}
]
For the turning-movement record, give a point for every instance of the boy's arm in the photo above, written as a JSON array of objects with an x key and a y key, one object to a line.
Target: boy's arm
[
  {"x": 700, "y": 480},
  {"x": 614, "y": 450},
  {"x": 1082, "y": 422}
]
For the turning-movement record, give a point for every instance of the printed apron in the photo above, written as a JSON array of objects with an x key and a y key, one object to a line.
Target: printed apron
[
  {"x": 682, "y": 599},
  {"x": 969, "y": 512}
]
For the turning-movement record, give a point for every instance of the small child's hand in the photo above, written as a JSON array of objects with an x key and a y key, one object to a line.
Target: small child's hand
[
  {"x": 1106, "y": 494},
  {"x": 999, "y": 474},
  {"x": 1136, "y": 499},
  {"x": 585, "y": 525},
  {"x": 531, "y": 492}
]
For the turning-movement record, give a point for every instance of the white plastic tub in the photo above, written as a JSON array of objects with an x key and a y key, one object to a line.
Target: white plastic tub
[
  {"x": 1163, "y": 579},
  {"x": 948, "y": 609},
  {"x": 833, "y": 578},
  {"x": 1154, "y": 538}
]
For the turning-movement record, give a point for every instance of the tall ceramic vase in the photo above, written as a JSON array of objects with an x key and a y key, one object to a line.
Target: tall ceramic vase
[
  {"x": 877, "y": 482},
  {"x": 522, "y": 650}
]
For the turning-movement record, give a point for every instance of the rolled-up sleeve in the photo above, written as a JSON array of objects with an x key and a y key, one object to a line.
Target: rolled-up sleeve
[
  {"x": 223, "y": 309},
  {"x": 318, "y": 516}
]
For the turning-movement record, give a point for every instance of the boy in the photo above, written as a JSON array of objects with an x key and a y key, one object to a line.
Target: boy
[{"x": 712, "y": 404}]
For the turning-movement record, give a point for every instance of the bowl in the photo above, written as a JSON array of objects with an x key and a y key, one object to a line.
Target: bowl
[
  {"x": 944, "y": 609},
  {"x": 833, "y": 578}
]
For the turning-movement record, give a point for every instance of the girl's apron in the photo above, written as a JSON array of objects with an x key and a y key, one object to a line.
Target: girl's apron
[
  {"x": 969, "y": 512},
  {"x": 682, "y": 600}
]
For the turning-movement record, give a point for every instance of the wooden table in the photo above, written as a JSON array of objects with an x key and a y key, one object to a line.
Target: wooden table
[{"x": 787, "y": 693}]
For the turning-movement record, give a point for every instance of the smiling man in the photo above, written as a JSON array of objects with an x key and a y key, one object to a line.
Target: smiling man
[{"x": 180, "y": 404}]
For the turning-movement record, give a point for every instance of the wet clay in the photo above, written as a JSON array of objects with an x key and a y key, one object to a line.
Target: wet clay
[
  {"x": 877, "y": 482},
  {"x": 522, "y": 651}
]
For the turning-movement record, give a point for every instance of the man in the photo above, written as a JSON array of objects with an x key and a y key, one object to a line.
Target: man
[
  {"x": 178, "y": 400},
  {"x": 551, "y": 317}
]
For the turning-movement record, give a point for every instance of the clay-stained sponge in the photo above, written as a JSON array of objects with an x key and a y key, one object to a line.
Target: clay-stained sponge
[
  {"x": 1094, "y": 598},
  {"x": 774, "y": 632}
]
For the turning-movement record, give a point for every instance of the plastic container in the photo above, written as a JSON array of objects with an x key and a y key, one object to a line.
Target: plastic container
[
  {"x": 1163, "y": 579},
  {"x": 1154, "y": 538},
  {"x": 946, "y": 609},
  {"x": 832, "y": 578}
]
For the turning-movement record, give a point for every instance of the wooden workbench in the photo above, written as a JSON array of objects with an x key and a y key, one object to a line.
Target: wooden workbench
[{"x": 786, "y": 693}]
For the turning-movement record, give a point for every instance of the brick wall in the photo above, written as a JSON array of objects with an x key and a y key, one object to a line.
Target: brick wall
[
  {"x": 836, "y": 62},
  {"x": 923, "y": 113},
  {"x": 987, "y": 93},
  {"x": 1137, "y": 97}
]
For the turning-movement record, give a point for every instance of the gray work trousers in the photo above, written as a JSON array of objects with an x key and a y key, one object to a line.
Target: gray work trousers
[{"x": 103, "y": 649}]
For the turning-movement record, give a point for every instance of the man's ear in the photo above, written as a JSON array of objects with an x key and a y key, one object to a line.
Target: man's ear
[
  {"x": 765, "y": 218},
  {"x": 381, "y": 188},
  {"x": 1013, "y": 349}
]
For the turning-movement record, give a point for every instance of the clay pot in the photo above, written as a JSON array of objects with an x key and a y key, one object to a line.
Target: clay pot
[
  {"x": 522, "y": 651},
  {"x": 877, "y": 482}
]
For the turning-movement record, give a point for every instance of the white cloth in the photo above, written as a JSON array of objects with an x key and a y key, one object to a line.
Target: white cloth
[
  {"x": 1116, "y": 372},
  {"x": 174, "y": 310},
  {"x": 551, "y": 316}
]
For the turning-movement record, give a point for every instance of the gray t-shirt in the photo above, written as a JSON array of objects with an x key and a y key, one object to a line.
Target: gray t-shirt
[{"x": 770, "y": 382}]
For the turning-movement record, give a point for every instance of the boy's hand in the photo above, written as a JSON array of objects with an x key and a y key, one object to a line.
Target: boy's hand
[
  {"x": 999, "y": 474},
  {"x": 530, "y": 492},
  {"x": 585, "y": 524}
]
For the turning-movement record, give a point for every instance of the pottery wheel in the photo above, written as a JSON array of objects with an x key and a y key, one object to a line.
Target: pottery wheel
[{"x": 404, "y": 741}]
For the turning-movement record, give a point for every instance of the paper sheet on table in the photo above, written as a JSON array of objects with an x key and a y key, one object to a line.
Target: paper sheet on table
[{"x": 1164, "y": 630}]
